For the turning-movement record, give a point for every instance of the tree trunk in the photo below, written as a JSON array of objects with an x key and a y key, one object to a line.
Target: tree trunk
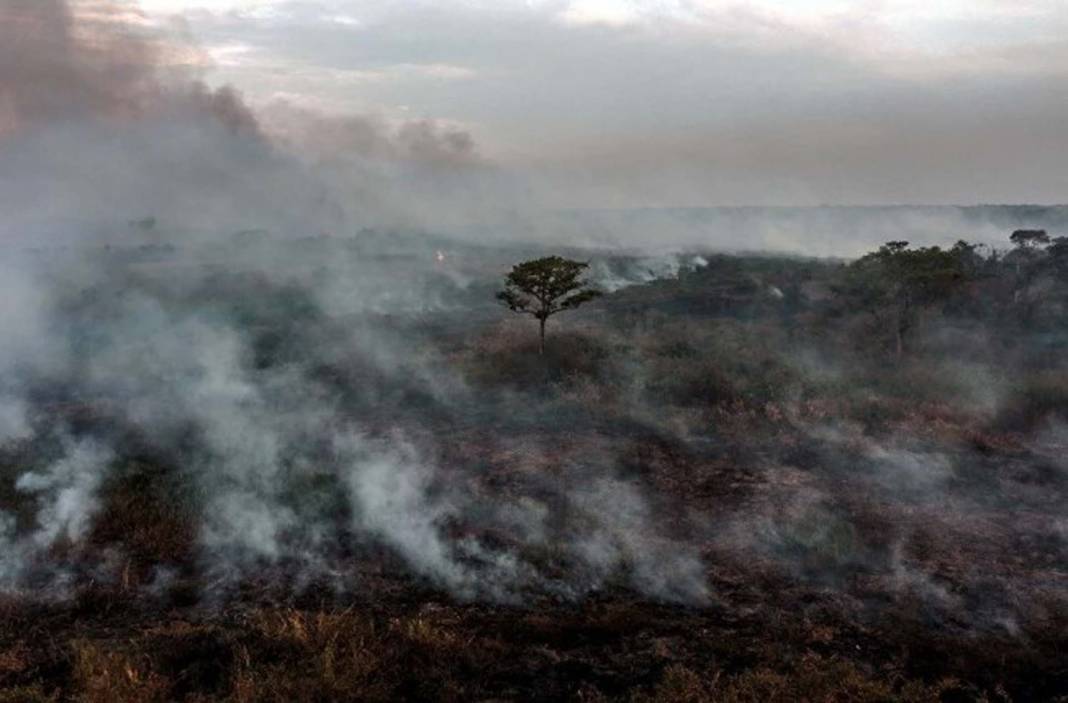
[
  {"x": 901, "y": 326},
  {"x": 541, "y": 338}
]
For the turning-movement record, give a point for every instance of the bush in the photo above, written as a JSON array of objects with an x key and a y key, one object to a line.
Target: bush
[{"x": 715, "y": 364}]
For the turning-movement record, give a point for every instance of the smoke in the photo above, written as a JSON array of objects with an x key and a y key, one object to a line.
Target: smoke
[
  {"x": 65, "y": 495},
  {"x": 325, "y": 137},
  {"x": 611, "y": 275},
  {"x": 49, "y": 74},
  {"x": 106, "y": 116},
  {"x": 623, "y": 531},
  {"x": 186, "y": 283},
  {"x": 827, "y": 231},
  {"x": 13, "y": 419},
  {"x": 104, "y": 119},
  {"x": 101, "y": 61},
  {"x": 300, "y": 431}
]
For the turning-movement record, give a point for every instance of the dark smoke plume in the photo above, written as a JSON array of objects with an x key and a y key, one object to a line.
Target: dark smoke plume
[{"x": 62, "y": 62}]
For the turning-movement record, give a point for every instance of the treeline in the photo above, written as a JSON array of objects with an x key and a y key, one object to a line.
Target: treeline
[
  {"x": 884, "y": 305},
  {"x": 1017, "y": 292}
]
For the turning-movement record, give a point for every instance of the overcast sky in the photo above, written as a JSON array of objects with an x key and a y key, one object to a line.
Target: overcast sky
[{"x": 684, "y": 102}]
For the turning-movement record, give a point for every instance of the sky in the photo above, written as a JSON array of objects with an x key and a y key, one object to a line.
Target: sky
[{"x": 619, "y": 103}]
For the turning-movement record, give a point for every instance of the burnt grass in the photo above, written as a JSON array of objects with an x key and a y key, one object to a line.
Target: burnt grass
[
  {"x": 796, "y": 622},
  {"x": 767, "y": 635},
  {"x": 782, "y": 644},
  {"x": 840, "y": 567}
]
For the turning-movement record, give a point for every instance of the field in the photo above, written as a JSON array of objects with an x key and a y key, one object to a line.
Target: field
[{"x": 336, "y": 470}]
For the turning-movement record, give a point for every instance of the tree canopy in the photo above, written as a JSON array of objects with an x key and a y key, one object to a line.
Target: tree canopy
[
  {"x": 544, "y": 287},
  {"x": 1029, "y": 237},
  {"x": 903, "y": 281}
]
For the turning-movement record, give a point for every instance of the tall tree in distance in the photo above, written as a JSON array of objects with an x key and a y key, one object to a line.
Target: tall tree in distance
[
  {"x": 901, "y": 283},
  {"x": 1029, "y": 238},
  {"x": 543, "y": 287},
  {"x": 1027, "y": 252}
]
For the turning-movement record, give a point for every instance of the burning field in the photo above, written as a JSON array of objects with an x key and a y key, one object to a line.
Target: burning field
[
  {"x": 230, "y": 479},
  {"x": 266, "y": 433}
]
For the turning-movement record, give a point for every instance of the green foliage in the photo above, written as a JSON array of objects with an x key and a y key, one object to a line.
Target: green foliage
[
  {"x": 716, "y": 363},
  {"x": 1029, "y": 237},
  {"x": 896, "y": 274},
  {"x": 1058, "y": 255},
  {"x": 544, "y": 287},
  {"x": 899, "y": 282}
]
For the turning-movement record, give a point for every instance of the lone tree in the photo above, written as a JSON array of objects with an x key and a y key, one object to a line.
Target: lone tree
[
  {"x": 1029, "y": 238},
  {"x": 544, "y": 287}
]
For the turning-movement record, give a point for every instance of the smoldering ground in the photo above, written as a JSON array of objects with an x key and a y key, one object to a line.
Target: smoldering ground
[
  {"x": 154, "y": 338},
  {"x": 251, "y": 361},
  {"x": 302, "y": 424},
  {"x": 297, "y": 431},
  {"x": 297, "y": 409}
]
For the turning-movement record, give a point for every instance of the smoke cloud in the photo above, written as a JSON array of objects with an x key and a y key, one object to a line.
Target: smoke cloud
[
  {"x": 188, "y": 283},
  {"x": 155, "y": 305}
]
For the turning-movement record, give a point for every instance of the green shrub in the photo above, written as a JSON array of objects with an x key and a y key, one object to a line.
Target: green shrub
[{"x": 717, "y": 363}]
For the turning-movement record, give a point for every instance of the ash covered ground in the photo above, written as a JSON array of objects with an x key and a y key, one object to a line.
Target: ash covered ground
[
  {"x": 265, "y": 433},
  {"x": 266, "y": 470}
]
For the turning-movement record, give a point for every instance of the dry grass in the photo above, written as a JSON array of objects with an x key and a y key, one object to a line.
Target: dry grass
[
  {"x": 814, "y": 679},
  {"x": 101, "y": 675},
  {"x": 451, "y": 653},
  {"x": 639, "y": 396}
]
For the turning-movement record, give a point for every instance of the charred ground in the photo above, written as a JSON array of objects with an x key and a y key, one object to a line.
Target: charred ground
[{"x": 763, "y": 478}]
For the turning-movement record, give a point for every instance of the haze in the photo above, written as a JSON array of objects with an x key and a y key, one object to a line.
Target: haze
[
  {"x": 494, "y": 350},
  {"x": 707, "y": 102}
]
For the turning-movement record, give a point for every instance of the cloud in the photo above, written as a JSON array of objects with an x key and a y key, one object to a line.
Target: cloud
[
  {"x": 608, "y": 12},
  {"x": 691, "y": 102}
]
